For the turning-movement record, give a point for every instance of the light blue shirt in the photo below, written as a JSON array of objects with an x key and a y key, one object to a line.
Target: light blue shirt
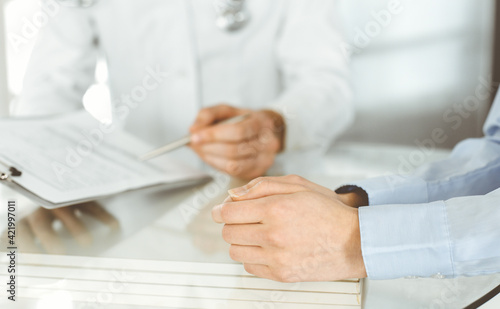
[{"x": 442, "y": 220}]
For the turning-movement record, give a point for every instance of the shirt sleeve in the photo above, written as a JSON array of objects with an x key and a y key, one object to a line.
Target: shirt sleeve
[
  {"x": 62, "y": 65},
  {"x": 316, "y": 101},
  {"x": 457, "y": 237},
  {"x": 471, "y": 169}
]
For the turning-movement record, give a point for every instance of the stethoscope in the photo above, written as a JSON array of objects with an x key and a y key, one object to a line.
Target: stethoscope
[{"x": 231, "y": 14}]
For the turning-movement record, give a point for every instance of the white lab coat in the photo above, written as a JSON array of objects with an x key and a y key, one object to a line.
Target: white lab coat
[{"x": 287, "y": 58}]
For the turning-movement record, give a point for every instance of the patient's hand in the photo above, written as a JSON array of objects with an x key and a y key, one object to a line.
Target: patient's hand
[
  {"x": 289, "y": 229},
  {"x": 246, "y": 149},
  {"x": 39, "y": 225}
]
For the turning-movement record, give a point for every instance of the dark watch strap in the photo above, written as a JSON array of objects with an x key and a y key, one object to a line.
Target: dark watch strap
[{"x": 354, "y": 189}]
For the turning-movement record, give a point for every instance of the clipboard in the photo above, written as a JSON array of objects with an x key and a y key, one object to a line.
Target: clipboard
[
  {"x": 31, "y": 147},
  {"x": 8, "y": 178}
]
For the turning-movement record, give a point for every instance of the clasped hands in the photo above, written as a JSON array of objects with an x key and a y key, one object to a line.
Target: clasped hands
[
  {"x": 245, "y": 149},
  {"x": 291, "y": 230}
]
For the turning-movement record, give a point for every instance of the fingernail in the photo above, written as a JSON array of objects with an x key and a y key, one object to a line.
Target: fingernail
[
  {"x": 238, "y": 192},
  {"x": 195, "y": 138},
  {"x": 228, "y": 200}
]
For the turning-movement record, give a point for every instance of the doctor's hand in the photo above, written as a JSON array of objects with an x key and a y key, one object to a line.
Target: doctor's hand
[
  {"x": 246, "y": 149},
  {"x": 289, "y": 229}
]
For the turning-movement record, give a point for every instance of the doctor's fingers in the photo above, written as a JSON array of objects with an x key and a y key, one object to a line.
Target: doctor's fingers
[
  {"x": 233, "y": 133},
  {"x": 40, "y": 223},
  {"x": 227, "y": 150},
  {"x": 243, "y": 149},
  {"x": 210, "y": 115},
  {"x": 252, "y": 127}
]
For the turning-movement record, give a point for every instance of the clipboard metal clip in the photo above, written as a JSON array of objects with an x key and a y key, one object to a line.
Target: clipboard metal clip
[{"x": 14, "y": 172}]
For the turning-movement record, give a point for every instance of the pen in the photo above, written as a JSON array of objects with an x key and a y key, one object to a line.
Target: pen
[{"x": 185, "y": 140}]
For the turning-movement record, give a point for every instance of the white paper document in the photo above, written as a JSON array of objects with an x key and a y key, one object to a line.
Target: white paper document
[{"x": 75, "y": 157}]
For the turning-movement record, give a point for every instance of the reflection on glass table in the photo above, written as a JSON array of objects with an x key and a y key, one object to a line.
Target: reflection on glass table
[{"x": 54, "y": 231}]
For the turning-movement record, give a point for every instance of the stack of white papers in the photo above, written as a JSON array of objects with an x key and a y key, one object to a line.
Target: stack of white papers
[{"x": 170, "y": 284}]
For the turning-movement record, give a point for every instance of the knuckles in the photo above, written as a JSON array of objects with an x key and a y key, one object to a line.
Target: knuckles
[
  {"x": 249, "y": 269},
  {"x": 225, "y": 213},
  {"x": 245, "y": 149},
  {"x": 275, "y": 238},
  {"x": 226, "y": 234},
  {"x": 296, "y": 178},
  {"x": 277, "y": 210},
  {"x": 233, "y": 167},
  {"x": 239, "y": 132},
  {"x": 233, "y": 152},
  {"x": 263, "y": 182},
  {"x": 259, "y": 180},
  {"x": 283, "y": 274},
  {"x": 225, "y": 106},
  {"x": 279, "y": 260},
  {"x": 234, "y": 253}
]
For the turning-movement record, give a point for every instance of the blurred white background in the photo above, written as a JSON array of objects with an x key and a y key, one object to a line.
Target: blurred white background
[
  {"x": 428, "y": 58},
  {"x": 409, "y": 70}
]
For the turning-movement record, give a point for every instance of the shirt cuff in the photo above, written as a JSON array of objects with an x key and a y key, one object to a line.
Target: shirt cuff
[
  {"x": 405, "y": 240},
  {"x": 394, "y": 189},
  {"x": 294, "y": 132}
]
